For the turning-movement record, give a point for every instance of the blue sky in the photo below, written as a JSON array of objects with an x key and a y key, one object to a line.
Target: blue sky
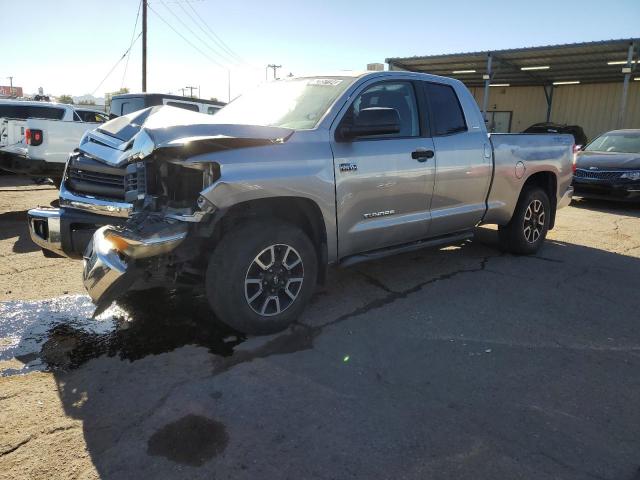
[{"x": 68, "y": 46}]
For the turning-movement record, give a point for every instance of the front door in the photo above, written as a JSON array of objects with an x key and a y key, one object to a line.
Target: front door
[{"x": 384, "y": 183}]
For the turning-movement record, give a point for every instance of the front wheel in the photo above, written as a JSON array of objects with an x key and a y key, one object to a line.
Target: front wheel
[
  {"x": 528, "y": 227},
  {"x": 261, "y": 275}
]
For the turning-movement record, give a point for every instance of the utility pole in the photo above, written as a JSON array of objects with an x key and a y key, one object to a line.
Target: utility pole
[
  {"x": 144, "y": 45},
  {"x": 275, "y": 68},
  {"x": 182, "y": 90},
  {"x": 10, "y": 86},
  {"x": 191, "y": 89}
]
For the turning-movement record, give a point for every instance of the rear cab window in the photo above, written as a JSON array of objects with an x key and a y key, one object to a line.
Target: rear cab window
[
  {"x": 447, "y": 117},
  {"x": 123, "y": 106},
  {"x": 187, "y": 106},
  {"x": 22, "y": 112}
]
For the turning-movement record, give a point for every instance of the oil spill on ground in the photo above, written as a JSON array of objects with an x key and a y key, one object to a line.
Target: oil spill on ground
[
  {"x": 60, "y": 333},
  {"x": 191, "y": 440}
]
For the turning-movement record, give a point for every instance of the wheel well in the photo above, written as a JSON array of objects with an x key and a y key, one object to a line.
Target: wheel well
[
  {"x": 298, "y": 211},
  {"x": 549, "y": 183}
]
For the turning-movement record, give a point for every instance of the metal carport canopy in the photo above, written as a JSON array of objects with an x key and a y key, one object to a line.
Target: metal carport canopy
[{"x": 588, "y": 62}]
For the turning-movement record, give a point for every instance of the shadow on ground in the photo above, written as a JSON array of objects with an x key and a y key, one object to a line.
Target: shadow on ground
[
  {"x": 612, "y": 206},
  {"x": 14, "y": 224},
  {"x": 462, "y": 363}
]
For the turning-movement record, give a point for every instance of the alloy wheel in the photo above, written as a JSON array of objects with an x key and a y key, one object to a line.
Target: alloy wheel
[
  {"x": 534, "y": 218},
  {"x": 274, "y": 280}
]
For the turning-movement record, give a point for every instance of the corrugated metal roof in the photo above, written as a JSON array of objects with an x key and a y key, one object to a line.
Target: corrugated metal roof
[{"x": 584, "y": 62}]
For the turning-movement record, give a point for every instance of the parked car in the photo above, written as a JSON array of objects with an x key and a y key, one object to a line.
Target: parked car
[
  {"x": 131, "y": 102},
  {"x": 547, "y": 127},
  {"x": 609, "y": 167},
  {"x": 37, "y": 137},
  {"x": 255, "y": 202}
]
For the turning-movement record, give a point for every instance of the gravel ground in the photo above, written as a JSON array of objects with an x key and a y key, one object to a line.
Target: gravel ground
[{"x": 458, "y": 363}]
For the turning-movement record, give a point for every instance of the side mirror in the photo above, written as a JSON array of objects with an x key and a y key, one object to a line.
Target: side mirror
[{"x": 372, "y": 121}]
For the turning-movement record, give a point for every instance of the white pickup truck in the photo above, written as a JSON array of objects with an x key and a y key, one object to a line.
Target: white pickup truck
[{"x": 37, "y": 137}]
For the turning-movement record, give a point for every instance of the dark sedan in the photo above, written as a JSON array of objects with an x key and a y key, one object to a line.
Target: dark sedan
[{"x": 609, "y": 167}]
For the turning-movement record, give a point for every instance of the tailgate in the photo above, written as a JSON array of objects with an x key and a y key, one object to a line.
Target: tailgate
[{"x": 11, "y": 132}]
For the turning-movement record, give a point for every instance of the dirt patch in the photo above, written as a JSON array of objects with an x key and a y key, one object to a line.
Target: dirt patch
[{"x": 24, "y": 272}]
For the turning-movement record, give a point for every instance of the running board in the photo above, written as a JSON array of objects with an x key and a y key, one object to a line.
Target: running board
[{"x": 407, "y": 247}]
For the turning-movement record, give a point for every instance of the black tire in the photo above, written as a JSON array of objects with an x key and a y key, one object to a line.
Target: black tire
[
  {"x": 234, "y": 276},
  {"x": 526, "y": 231}
]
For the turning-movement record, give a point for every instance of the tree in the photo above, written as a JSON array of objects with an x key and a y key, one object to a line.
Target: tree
[
  {"x": 65, "y": 99},
  {"x": 86, "y": 102},
  {"x": 214, "y": 99}
]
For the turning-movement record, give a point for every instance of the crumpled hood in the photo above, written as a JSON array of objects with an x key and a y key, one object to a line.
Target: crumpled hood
[
  {"x": 608, "y": 160},
  {"x": 136, "y": 135}
]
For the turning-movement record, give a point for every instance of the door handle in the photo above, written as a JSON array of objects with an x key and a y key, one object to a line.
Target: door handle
[{"x": 422, "y": 154}]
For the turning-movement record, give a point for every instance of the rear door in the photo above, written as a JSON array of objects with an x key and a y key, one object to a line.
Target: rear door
[
  {"x": 383, "y": 188},
  {"x": 463, "y": 163}
]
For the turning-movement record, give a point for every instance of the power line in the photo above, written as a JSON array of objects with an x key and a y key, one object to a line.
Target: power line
[
  {"x": 135, "y": 25},
  {"x": 189, "y": 29},
  {"x": 117, "y": 63},
  {"x": 222, "y": 42},
  {"x": 229, "y": 54},
  {"x": 185, "y": 38}
]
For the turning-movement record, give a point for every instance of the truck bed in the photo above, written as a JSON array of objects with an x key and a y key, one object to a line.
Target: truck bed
[{"x": 518, "y": 156}]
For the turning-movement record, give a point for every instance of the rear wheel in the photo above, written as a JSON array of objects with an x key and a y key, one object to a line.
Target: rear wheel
[
  {"x": 528, "y": 227},
  {"x": 261, "y": 276}
]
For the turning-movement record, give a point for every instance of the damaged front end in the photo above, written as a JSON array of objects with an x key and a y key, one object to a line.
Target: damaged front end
[{"x": 162, "y": 155}]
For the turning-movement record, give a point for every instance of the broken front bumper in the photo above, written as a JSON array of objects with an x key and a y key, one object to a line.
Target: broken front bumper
[
  {"x": 44, "y": 229},
  {"x": 114, "y": 258}
]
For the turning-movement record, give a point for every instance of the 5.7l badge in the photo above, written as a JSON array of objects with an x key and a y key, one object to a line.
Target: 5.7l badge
[{"x": 348, "y": 167}]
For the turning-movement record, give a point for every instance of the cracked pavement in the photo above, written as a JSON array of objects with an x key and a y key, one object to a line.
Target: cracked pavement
[{"x": 461, "y": 362}]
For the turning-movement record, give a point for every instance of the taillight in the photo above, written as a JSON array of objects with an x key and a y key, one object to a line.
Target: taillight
[
  {"x": 576, "y": 149},
  {"x": 33, "y": 137}
]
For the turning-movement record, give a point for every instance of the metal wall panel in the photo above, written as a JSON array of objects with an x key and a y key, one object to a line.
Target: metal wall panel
[
  {"x": 528, "y": 104},
  {"x": 594, "y": 107}
]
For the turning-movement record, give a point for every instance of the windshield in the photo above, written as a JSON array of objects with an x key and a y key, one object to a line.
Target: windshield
[
  {"x": 622, "y": 142},
  {"x": 298, "y": 104}
]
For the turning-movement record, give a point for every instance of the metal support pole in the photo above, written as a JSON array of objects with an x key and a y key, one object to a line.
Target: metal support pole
[
  {"x": 487, "y": 82},
  {"x": 625, "y": 85},
  {"x": 549, "y": 96},
  {"x": 144, "y": 45}
]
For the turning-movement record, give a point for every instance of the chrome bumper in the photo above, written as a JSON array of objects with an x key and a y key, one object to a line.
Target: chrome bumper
[
  {"x": 103, "y": 266},
  {"x": 44, "y": 228},
  {"x": 566, "y": 198},
  {"x": 110, "y": 270}
]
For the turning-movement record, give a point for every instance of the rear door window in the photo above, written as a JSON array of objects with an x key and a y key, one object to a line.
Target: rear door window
[
  {"x": 22, "y": 112},
  {"x": 445, "y": 108},
  {"x": 91, "y": 116}
]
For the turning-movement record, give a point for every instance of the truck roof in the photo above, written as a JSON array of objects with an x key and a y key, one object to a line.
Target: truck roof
[{"x": 171, "y": 97}]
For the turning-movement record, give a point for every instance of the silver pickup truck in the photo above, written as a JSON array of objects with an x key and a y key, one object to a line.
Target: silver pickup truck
[{"x": 255, "y": 202}]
